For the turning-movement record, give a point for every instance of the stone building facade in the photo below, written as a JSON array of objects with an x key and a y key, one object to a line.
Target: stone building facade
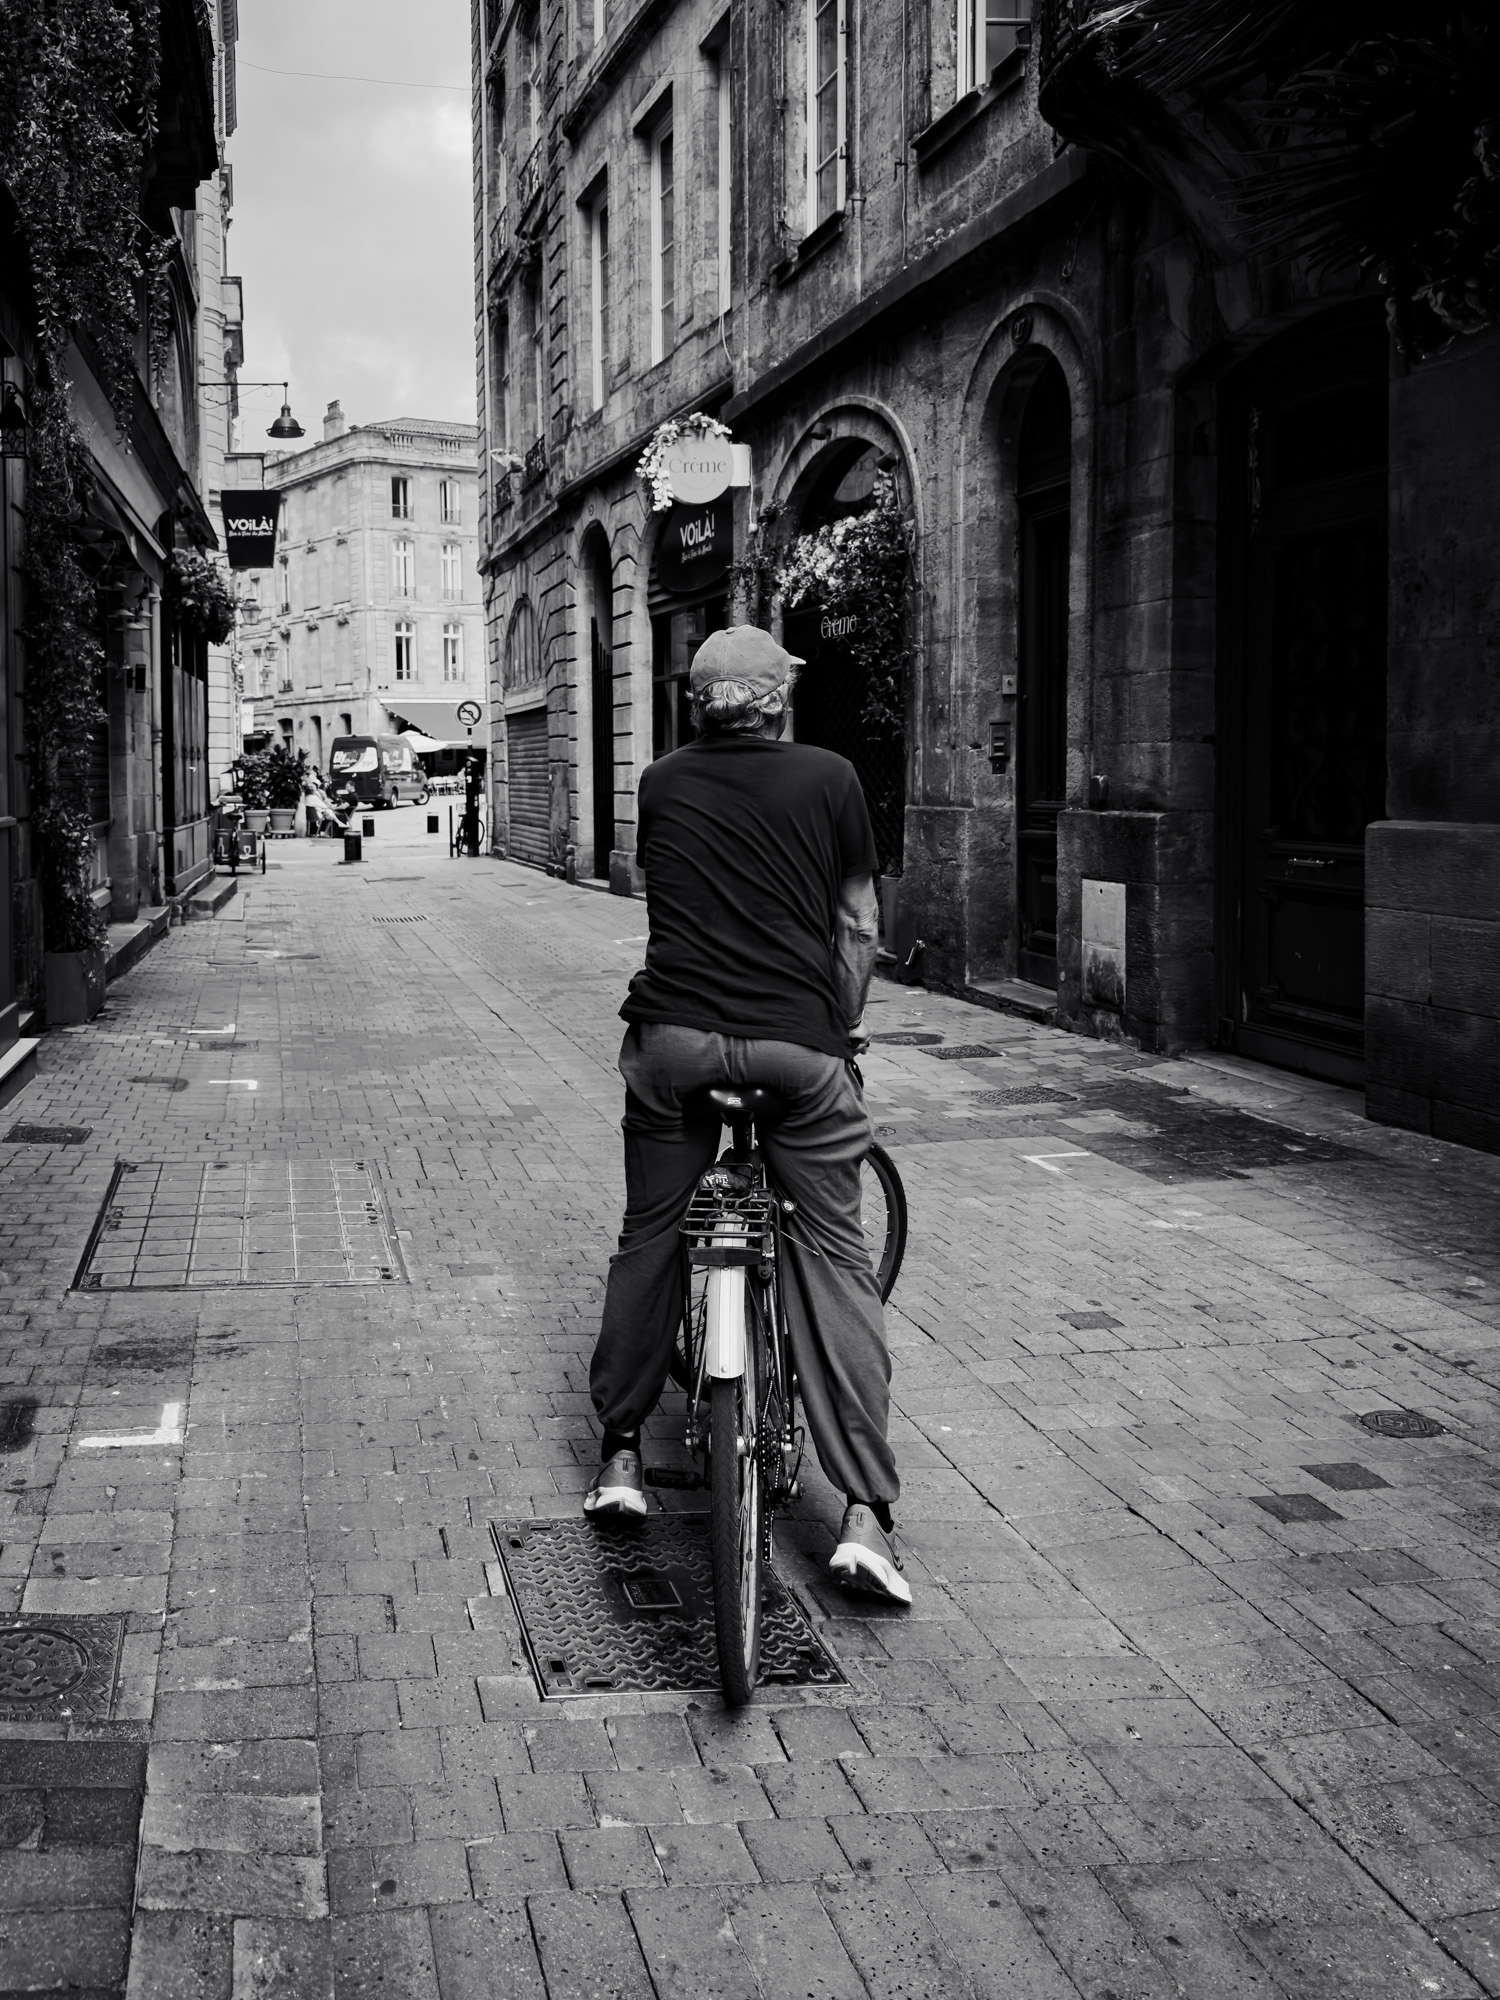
[
  {"x": 371, "y": 619},
  {"x": 1189, "y": 566},
  {"x": 149, "y": 758}
]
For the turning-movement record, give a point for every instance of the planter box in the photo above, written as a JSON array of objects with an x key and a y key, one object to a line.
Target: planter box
[
  {"x": 283, "y": 818},
  {"x": 73, "y": 982},
  {"x": 256, "y": 819}
]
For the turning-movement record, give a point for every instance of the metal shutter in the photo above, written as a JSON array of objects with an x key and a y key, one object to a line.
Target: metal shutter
[{"x": 530, "y": 810}]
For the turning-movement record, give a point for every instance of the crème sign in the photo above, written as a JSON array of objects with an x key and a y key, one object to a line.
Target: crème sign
[{"x": 699, "y": 468}]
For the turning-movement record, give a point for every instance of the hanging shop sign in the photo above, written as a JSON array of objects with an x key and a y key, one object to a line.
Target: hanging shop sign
[
  {"x": 696, "y": 547},
  {"x": 250, "y": 519},
  {"x": 699, "y": 466}
]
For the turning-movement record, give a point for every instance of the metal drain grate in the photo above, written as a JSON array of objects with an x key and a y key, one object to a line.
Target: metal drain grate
[
  {"x": 1347, "y": 1476},
  {"x": 190, "y": 1225},
  {"x": 55, "y": 1669},
  {"x": 964, "y": 1052},
  {"x": 1023, "y": 1093},
  {"x": 628, "y": 1607},
  {"x": 47, "y": 1135},
  {"x": 398, "y": 920},
  {"x": 1401, "y": 1424},
  {"x": 903, "y": 1041},
  {"x": 1292, "y": 1507}
]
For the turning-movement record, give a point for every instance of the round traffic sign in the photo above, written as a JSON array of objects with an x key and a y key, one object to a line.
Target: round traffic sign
[
  {"x": 469, "y": 713},
  {"x": 699, "y": 467}
]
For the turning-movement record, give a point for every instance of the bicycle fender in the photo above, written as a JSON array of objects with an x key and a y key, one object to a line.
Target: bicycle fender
[{"x": 724, "y": 1327}]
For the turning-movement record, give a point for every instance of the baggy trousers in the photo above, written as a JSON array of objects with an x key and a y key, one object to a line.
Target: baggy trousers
[{"x": 832, "y": 1303}]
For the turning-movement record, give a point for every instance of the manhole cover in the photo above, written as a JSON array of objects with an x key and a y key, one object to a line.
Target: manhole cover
[
  {"x": 964, "y": 1052},
  {"x": 1401, "y": 1424},
  {"x": 55, "y": 1668},
  {"x": 1347, "y": 1477},
  {"x": 1023, "y": 1093},
  {"x": 628, "y": 1607},
  {"x": 398, "y": 920},
  {"x": 189, "y": 1225},
  {"x": 904, "y": 1041},
  {"x": 1289, "y": 1507},
  {"x": 47, "y": 1135}
]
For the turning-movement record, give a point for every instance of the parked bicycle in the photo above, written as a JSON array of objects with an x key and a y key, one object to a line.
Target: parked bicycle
[
  {"x": 735, "y": 1358},
  {"x": 236, "y": 845}
]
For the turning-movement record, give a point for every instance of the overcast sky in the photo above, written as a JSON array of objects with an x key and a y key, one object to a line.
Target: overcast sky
[{"x": 352, "y": 210}]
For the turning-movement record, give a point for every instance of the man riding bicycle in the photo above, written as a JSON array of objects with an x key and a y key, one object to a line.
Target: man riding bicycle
[{"x": 759, "y": 863}]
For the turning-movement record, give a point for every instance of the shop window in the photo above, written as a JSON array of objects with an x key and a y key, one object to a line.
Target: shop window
[{"x": 676, "y": 636}]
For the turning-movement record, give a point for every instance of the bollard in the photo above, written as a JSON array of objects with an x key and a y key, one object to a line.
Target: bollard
[
  {"x": 354, "y": 847},
  {"x": 367, "y": 828},
  {"x": 432, "y": 822}
]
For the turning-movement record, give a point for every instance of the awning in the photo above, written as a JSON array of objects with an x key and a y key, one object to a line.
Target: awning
[
  {"x": 440, "y": 719},
  {"x": 421, "y": 743}
]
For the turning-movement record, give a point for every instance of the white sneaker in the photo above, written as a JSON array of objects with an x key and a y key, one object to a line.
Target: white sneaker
[
  {"x": 866, "y": 1558},
  {"x": 618, "y": 1487}
]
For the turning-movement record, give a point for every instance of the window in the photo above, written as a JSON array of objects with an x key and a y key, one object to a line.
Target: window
[
  {"x": 497, "y": 134},
  {"x": 523, "y": 656},
  {"x": 722, "y": 84},
  {"x": 346, "y": 723},
  {"x": 663, "y": 246},
  {"x": 450, "y": 500},
  {"x": 530, "y": 37},
  {"x": 453, "y": 652},
  {"x": 538, "y": 358},
  {"x": 400, "y": 499},
  {"x": 286, "y": 585},
  {"x": 502, "y": 382},
  {"x": 401, "y": 567},
  {"x": 405, "y": 650},
  {"x": 452, "y": 570},
  {"x": 826, "y": 30},
  {"x": 599, "y": 298},
  {"x": 986, "y": 36}
]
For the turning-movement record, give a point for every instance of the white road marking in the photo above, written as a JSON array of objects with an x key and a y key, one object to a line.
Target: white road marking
[
  {"x": 235, "y": 1082},
  {"x": 169, "y": 1431},
  {"x": 1041, "y": 1159}
]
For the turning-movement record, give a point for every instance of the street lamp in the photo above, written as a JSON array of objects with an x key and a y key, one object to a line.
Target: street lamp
[{"x": 286, "y": 425}]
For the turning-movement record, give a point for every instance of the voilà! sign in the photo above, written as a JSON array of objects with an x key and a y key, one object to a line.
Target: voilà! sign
[
  {"x": 250, "y": 520},
  {"x": 696, "y": 547}
]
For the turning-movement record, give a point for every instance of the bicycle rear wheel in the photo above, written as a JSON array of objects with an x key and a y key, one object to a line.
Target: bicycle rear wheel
[
  {"x": 882, "y": 1212},
  {"x": 736, "y": 1520}
]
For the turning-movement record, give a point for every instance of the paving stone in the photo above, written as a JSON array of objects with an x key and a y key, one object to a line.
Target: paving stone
[
  {"x": 181, "y": 1955},
  {"x": 283, "y": 1958},
  {"x": 394, "y": 1878},
  {"x": 482, "y": 1951},
  {"x": 691, "y": 1855},
  {"x": 513, "y": 1866},
  {"x": 791, "y": 1946},
  {"x": 588, "y": 1947},
  {"x": 793, "y": 1850},
  {"x": 890, "y": 1939},
  {"x": 387, "y": 1957},
  {"x": 886, "y": 1844},
  {"x": 687, "y": 1945},
  {"x": 235, "y": 1884},
  {"x": 819, "y": 1788},
  {"x": 990, "y": 1938}
]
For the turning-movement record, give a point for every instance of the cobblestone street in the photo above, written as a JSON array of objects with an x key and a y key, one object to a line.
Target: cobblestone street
[{"x": 1200, "y": 1693}]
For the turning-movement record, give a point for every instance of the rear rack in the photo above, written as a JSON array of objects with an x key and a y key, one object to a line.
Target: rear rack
[{"x": 728, "y": 1228}]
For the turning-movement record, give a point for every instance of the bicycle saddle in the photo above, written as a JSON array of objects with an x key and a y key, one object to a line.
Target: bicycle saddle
[{"x": 732, "y": 1101}]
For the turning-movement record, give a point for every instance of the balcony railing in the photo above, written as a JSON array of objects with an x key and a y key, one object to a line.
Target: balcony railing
[
  {"x": 499, "y": 235},
  {"x": 505, "y": 493},
  {"x": 528, "y": 180},
  {"x": 535, "y": 466}
]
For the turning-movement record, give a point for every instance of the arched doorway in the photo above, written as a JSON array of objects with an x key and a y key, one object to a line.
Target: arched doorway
[
  {"x": 1044, "y": 506},
  {"x": 1302, "y": 695},
  {"x": 526, "y": 739},
  {"x": 829, "y": 706},
  {"x": 601, "y": 616}
]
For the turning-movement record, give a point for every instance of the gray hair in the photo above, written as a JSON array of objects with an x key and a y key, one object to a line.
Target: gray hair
[{"x": 733, "y": 708}]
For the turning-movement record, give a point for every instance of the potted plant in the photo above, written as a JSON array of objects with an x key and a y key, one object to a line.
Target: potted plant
[
  {"x": 286, "y": 781},
  {"x": 254, "y": 785},
  {"x": 75, "y": 960},
  {"x": 200, "y": 593}
]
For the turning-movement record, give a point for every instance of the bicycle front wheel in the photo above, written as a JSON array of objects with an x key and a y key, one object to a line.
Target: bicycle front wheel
[
  {"x": 737, "y": 1507},
  {"x": 882, "y": 1214}
]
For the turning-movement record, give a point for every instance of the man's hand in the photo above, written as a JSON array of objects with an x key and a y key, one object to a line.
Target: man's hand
[{"x": 855, "y": 938}]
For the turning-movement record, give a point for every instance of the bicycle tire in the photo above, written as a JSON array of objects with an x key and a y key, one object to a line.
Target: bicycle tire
[
  {"x": 737, "y": 1523},
  {"x": 893, "y": 1250}
]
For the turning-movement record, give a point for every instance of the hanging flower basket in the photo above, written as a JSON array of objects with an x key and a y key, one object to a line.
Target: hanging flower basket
[
  {"x": 652, "y": 464},
  {"x": 200, "y": 593}
]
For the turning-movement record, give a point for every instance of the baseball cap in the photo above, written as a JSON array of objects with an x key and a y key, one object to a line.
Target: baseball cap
[{"x": 742, "y": 653}]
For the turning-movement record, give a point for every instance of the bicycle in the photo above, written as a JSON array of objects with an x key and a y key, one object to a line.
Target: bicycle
[{"x": 736, "y": 1349}]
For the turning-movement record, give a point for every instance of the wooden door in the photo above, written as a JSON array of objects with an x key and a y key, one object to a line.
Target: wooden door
[
  {"x": 1308, "y": 733},
  {"x": 602, "y": 713},
  {"x": 1045, "y": 538}
]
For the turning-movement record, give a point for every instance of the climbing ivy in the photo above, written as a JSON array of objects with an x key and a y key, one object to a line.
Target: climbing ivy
[{"x": 78, "y": 88}]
